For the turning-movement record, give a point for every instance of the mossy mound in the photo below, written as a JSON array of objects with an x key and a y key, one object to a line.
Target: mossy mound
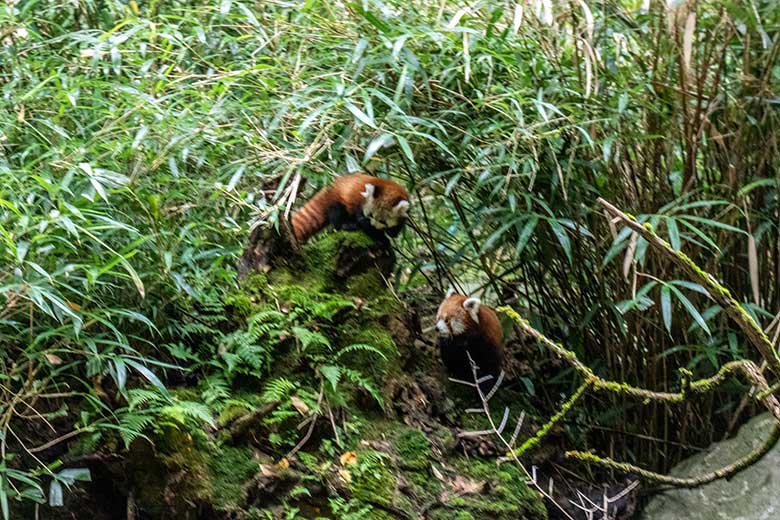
[
  {"x": 315, "y": 351},
  {"x": 404, "y": 471}
]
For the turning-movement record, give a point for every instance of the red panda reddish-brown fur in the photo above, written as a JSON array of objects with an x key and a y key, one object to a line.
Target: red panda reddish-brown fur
[
  {"x": 348, "y": 204},
  {"x": 466, "y": 327}
]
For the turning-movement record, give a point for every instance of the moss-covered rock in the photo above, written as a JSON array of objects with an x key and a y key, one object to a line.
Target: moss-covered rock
[
  {"x": 505, "y": 495},
  {"x": 230, "y": 469},
  {"x": 413, "y": 449},
  {"x": 412, "y": 474}
]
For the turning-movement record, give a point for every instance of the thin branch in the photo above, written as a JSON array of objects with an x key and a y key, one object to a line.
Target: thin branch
[
  {"x": 718, "y": 292},
  {"x": 684, "y": 482},
  {"x": 544, "y": 430},
  {"x": 702, "y": 386}
]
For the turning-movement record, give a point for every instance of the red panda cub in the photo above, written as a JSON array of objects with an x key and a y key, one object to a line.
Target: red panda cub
[
  {"x": 377, "y": 206},
  {"x": 464, "y": 326}
]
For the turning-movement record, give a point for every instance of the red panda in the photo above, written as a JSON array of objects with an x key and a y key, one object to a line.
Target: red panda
[
  {"x": 377, "y": 206},
  {"x": 464, "y": 326}
]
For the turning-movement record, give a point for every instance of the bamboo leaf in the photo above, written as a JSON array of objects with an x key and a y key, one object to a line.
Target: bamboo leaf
[
  {"x": 753, "y": 268},
  {"x": 666, "y": 307},
  {"x": 691, "y": 309}
]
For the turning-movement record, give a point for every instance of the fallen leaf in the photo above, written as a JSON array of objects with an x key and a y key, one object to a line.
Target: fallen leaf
[
  {"x": 299, "y": 405},
  {"x": 349, "y": 458},
  {"x": 345, "y": 476},
  {"x": 466, "y": 486},
  {"x": 268, "y": 471},
  {"x": 54, "y": 359}
]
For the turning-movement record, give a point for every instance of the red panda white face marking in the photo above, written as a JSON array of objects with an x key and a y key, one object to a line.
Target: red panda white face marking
[
  {"x": 380, "y": 215},
  {"x": 454, "y": 320}
]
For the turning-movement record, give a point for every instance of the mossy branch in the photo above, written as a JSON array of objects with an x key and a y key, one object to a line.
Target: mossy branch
[
  {"x": 544, "y": 430},
  {"x": 684, "y": 482},
  {"x": 745, "y": 367},
  {"x": 718, "y": 292},
  {"x": 701, "y": 386}
]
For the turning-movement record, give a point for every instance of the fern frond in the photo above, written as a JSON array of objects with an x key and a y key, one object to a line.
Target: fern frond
[
  {"x": 360, "y": 347},
  {"x": 364, "y": 383},
  {"x": 278, "y": 389}
]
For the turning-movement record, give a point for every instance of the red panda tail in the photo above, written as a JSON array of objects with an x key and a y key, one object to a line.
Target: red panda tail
[{"x": 313, "y": 216}]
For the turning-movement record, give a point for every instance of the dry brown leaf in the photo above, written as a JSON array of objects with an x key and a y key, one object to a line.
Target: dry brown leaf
[
  {"x": 628, "y": 260},
  {"x": 73, "y": 305},
  {"x": 345, "y": 476},
  {"x": 268, "y": 471},
  {"x": 299, "y": 405},
  {"x": 753, "y": 266},
  {"x": 349, "y": 458},
  {"x": 54, "y": 359},
  {"x": 465, "y": 486},
  {"x": 690, "y": 27},
  {"x": 518, "y": 18}
]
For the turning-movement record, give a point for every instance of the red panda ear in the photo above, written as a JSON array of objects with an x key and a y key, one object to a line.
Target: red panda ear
[
  {"x": 472, "y": 305},
  {"x": 450, "y": 292},
  {"x": 368, "y": 194},
  {"x": 401, "y": 208}
]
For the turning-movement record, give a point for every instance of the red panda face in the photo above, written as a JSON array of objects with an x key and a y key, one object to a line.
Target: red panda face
[
  {"x": 384, "y": 210},
  {"x": 457, "y": 314}
]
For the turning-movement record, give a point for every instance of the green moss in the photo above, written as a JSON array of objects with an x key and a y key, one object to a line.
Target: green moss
[
  {"x": 155, "y": 469},
  {"x": 367, "y": 285},
  {"x": 321, "y": 252},
  {"x": 240, "y": 303},
  {"x": 506, "y": 496},
  {"x": 256, "y": 283},
  {"x": 230, "y": 469},
  {"x": 372, "y": 480},
  {"x": 462, "y": 515},
  {"x": 413, "y": 449},
  {"x": 359, "y": 331}
]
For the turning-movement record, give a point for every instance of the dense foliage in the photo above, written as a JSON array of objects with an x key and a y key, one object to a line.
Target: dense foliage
[{"x": 138, "y": 140}]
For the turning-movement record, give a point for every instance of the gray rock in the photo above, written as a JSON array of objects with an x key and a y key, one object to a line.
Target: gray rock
[{"x": 753, "y": 494}]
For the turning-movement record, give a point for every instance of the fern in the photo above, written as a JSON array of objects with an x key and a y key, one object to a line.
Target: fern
[
  {"x": 132, "y": 426},
  {"x": 308, "y": 338},
  {"x": 360, "y": 347},
  {"x": 364, "y": 383},
  {"x": 216, "y": 389},
  {"x": 329, "y": 308},
  {"x": 278, "y": 389},
  {"x": 181, "y": 411},
  {"x": 140, "y": 397}
]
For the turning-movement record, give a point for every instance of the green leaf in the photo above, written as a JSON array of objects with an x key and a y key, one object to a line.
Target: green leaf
[
  {"x": 760, "y": 183},
  {"x": 562, "y": 237},
  {"x": 360, "y": 115},
  {"x": 332, "y": 374},
  {"x": 526, "y": 233},
  {"x": 666, "y": 307},
  {"x": 674, "y": 233},
  {"x": 149, "y": 375},
  {"x": 691, "y": 309},
  {"x": 405, "y": 148}
]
